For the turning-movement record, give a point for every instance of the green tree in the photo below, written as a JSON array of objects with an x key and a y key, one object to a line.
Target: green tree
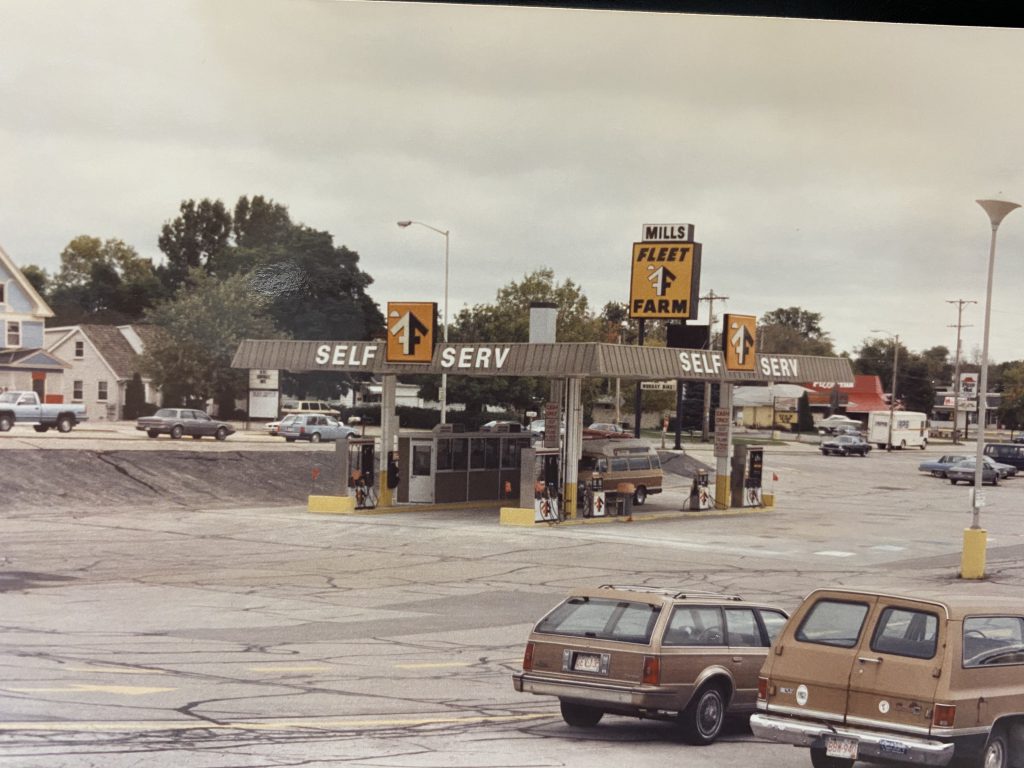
[
  {"x": 1011, "y": 405},
  {"x": 917, "y": 376},
  {"x": 194, "y": 238},
  {"x": 38, "y": 278},
  {"x": 199, "y": 330},
  {"x": 793, "y": 331},
  {"x": 134, "y": 398},
  {"x": 102, "y": 280}
]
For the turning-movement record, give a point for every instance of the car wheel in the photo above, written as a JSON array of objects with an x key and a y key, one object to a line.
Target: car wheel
[
  {"x": 6, "y": 422},
  {"x": 40, "y": 428},
  {"x": 704, "y": 716},
  {"x": 221, "y": 434},
  {"x": 315, "y": 437},
  {"x": 580, "y": 715},
  {"x": 936, "y": 473},
  {"x": 952, "y": 481},
  {"x": 289, "y": 439},
  {"x": 197, "y": 437},
  {"x": 152, "y": 432},
  {"x": 995, "y": 480},
  {"x": 997, "y": 751},
  {"x": 639, "y": 495},
  {"x": 820, "y": 760},
  {"x": 177, "y": 432},
  {"x": 64, "y": 424}
]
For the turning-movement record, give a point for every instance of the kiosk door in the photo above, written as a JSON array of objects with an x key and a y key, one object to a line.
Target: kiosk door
[{"x": 421, "y": 477}]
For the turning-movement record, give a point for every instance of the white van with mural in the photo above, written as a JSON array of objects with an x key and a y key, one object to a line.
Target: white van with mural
[{"x": 909, "y": 429}]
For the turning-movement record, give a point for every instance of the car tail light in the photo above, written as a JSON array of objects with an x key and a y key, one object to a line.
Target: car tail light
[
  {"x": 652, "y": 670},
  {"x": 943, "y": 715},
  {"x": 528, "y": 658},
  {"x": 762, "y": 688}
]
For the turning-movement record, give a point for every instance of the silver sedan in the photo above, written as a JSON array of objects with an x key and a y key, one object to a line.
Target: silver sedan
[
  {"x": 312, "y": 427},
  {"x": 965, "y": 470}
]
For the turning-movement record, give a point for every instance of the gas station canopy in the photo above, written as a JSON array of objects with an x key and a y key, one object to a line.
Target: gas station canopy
[{"x": 557, "y": 360}]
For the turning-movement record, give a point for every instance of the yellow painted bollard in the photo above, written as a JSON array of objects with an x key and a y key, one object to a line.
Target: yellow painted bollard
[
  {"x": 721, "y": 491},
  {"x": 972, "y": 560}
]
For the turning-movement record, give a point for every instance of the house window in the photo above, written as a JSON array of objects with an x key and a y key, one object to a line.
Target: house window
[
  {"x": 13, "y": 333},
  {"x": 79, "y": 350},
  {"x": 3, "y": 293},
  {"x": 77, "y": 389},
  {"x": 101, "y": 391}
]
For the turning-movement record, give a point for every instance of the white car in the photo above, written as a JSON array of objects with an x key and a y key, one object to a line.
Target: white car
[{"x": 831, "y": 423}]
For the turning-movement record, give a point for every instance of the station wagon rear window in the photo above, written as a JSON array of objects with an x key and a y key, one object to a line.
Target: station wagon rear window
[
  {"x": 603, "y": 619},
  {"x": 993, "y": 641},
  {"x": 833, "y": 622},
  {"x": 906, "y": 632}
]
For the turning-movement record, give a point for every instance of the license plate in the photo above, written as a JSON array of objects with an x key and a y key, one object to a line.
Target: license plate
[
  {"x": 836, "y": 746},
  {"x": 587, "y": 662}
]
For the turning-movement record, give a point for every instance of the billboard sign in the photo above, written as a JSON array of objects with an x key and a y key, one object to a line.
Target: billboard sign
[
  {"x": 665, "y": 280},
  {"x": 411, "y": 331}
]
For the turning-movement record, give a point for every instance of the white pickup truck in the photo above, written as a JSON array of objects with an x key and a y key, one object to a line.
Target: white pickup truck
[{"x": 25, "y": 408}]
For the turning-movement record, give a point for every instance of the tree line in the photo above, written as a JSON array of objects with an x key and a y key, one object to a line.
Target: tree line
[{"x": 253, "y": 272}]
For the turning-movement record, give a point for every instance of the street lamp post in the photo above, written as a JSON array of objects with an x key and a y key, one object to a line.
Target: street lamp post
[
  {"x": 972, "y": 560},
  {"x": 892, "y": 390},
  {"x": 443, "y": 394}
]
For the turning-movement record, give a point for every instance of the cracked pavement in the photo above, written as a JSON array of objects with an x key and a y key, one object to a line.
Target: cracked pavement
[{"x": 169, "y": 632}]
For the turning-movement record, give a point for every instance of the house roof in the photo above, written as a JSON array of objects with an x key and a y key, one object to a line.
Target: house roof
[
  {"x": 42, "y": 309},
  {"x": 31, "y": 359},
  {"x": 864, "y": 396},
  {"x": 111, "y": 344}
]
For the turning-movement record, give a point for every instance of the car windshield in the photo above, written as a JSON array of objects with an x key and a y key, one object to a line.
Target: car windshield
[
  {"x": 9, "y": 397},
  {"x": 289, "y": 420}
]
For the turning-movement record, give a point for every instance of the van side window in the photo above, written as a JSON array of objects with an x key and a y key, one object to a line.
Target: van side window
[
  {"x": 641, "y": 463},
  {"x": 993, "y": 640},
  {"x": 620, "y": 465},
  {"x": 906, "y": 632},
  {"x": 833, "y": 622},
  {"x": 655, "y": 461}
]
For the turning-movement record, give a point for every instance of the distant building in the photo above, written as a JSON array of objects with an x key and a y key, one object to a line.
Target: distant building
[{"x": 866, "y": 395}]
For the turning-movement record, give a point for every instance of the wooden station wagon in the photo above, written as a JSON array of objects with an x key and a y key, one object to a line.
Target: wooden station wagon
[
  {"x": 923, "y": 679},
  {"x": 650, "y": 653}
]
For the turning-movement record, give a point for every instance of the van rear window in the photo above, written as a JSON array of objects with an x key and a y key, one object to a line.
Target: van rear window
[
  {"x": 620, "y": 620},
  {"x": 833, "y": 622},
  {"x": 905, "y": 632}
]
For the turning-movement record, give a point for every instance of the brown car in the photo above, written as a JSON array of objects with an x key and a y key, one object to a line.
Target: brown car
[
  {"x": 650, "y": 653},
  {"x": 923, "y": 679}
]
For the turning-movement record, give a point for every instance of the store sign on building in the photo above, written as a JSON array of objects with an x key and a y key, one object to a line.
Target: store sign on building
[
  {"x": 665, "y": 273},
  {"x": 350, "y": 354},
  {"x": 969, "y": 384},
  {"x": 411, "y": 332}
]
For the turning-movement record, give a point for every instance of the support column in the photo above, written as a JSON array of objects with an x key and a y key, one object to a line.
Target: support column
[
  {"x": 722, "y": 466},
  {"x": 573, "y": 443},
  {"x": 388, "y": 437}
]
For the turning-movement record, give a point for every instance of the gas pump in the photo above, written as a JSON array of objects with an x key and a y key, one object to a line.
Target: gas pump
[
  {"x": 362, "y": 474},
  {"x": 598, "y": 501},
  {"x": 700, "y": 495},
  {"x": 752, "y": 483},
  {"x": 545, "y": 480}
]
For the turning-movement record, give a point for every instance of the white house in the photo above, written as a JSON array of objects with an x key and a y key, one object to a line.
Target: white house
[
  {"x": 24, "y": 363},
  {"x": 103, "y": 360}
]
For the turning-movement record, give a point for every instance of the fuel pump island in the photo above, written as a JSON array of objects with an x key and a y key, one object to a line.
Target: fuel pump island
[{"x": 565, "y": 364}]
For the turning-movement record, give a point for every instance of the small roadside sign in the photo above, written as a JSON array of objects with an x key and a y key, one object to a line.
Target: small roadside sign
[
  {"x": 411, "y": 331},
  {"x": 722, "y": 433}
]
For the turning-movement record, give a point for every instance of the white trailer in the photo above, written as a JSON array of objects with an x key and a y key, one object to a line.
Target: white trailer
[{"x": 909, "y": 428}]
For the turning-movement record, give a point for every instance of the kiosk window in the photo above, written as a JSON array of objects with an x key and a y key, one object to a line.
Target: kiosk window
[
  {"x": 421, "y": 460},
  {"x": 491, "y": 446},
  {"x": 510, "y": 453},
  {"x": 476, "y": 453},
  {"x": 444, "y": 455},
  {"x": 459, "y": 449}
]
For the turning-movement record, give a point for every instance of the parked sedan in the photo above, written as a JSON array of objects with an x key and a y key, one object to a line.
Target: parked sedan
[
  {"x": 844, "y": 445},
  {"x": 965, "y": 470},
  {"x": 938, "y": 467},
  {"x": 308, "y": 426},
  {"x": 605, "y": 429},
  {"x": 177, "y": 422}
]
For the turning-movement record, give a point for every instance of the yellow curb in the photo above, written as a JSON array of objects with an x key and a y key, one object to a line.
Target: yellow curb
[
  {"x": 331, "y": 505},
  {"x": 516, "y": 516}
]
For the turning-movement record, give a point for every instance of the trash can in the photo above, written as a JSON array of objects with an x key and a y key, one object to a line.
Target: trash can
[{"x": 624, "y": 498}]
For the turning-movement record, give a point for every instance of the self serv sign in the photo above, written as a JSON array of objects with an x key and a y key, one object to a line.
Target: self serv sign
[{"x": 665, "y": 280}]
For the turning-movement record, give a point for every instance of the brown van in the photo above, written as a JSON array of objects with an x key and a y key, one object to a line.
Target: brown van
[
  {"x": 620, "y": 460},
  {"x": 923, "y": 679}
]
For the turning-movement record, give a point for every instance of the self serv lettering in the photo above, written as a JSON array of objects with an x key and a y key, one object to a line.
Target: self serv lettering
[
  {"x": 710, "y": 363},
  {"x": 349, "y": 355}
]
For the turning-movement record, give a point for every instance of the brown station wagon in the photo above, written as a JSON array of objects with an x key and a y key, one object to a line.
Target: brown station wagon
[
  {"x": 687, "y": 656},
  {"x": 925, "y": 679}
]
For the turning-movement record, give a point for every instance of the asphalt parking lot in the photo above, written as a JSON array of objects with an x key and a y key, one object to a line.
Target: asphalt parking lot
[{"x": 261, "y": 634}]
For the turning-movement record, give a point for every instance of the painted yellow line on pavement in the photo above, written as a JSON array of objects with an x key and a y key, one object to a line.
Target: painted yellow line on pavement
[
  {"x": 275, "y": 725},
  {"x": 437, "y": 665},
  {"x": 124, "y": 690}
]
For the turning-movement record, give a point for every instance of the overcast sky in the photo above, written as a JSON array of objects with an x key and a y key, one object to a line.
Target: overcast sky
[{"x": 824, "y": 164}]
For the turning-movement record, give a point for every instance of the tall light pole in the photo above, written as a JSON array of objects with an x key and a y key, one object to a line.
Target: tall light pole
[
  {"x": 443, "y": 394},
  {"x": 972, "y": 560},
  {"x": 956, "y": 368},
  {"x": 892, "y": 390}
]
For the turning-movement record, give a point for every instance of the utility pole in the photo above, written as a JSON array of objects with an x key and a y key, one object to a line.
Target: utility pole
[
  {"x": 956, "y": 368},
  {"x": 710, "y": 298}
]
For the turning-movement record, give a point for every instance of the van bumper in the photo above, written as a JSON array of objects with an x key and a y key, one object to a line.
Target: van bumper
[{"x": 897, "y": 748}]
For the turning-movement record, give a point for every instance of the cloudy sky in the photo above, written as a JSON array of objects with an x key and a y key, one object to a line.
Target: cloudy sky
[{"x": 824, "y": 164}]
